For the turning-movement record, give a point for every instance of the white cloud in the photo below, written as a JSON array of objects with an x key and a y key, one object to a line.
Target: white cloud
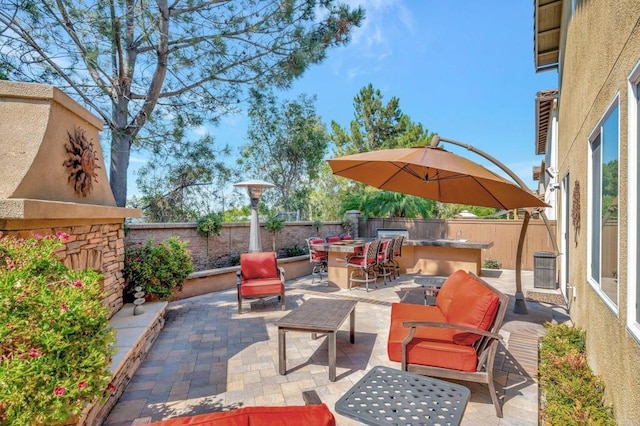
[
  {"x": 354, "y": 72},
  {"x": 385, "y": 21},
  {"x": 201, "y": 131}
]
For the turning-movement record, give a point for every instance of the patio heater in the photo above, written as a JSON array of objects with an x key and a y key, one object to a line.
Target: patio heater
[
  {"x": 254, "y": 189},
  {"x": 520, "y": 306}
]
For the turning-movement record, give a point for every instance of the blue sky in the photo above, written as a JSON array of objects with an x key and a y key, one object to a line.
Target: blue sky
[{"x": 465, "y": 70}]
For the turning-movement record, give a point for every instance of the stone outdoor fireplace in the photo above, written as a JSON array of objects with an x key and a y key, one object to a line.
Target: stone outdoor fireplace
[{"x": 53, "y": 179}]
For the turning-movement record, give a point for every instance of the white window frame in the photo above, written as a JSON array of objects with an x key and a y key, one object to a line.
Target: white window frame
[
  {"x": 595, "y": 133},
  {"x": 633, "y": 135}
]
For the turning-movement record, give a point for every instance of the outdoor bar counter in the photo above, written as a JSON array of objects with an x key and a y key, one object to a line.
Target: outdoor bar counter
[{"x": 427, "y": 257}]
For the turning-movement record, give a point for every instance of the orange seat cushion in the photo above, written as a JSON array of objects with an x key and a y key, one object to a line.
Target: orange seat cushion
[
  {"x": 430, "y": 345},
  {"x": 359, "y": 261},
  {"x": 258, "y": 265},
  {"x": 311, "y": 415},
  {"x": 261, "y": 286},
  {"x": 463, "y": 300}
]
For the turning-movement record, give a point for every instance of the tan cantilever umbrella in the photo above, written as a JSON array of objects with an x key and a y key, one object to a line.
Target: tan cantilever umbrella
[
  {"x": 431, "y": 172},
  {"x": 436, "y": 174}
]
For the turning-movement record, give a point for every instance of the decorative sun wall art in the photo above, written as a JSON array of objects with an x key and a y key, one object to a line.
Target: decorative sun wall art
[{"x": 82, "y": 162}]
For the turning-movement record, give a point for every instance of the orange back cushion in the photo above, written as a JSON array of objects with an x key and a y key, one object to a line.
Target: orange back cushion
[
  {"x": 465, "y": 301},
  {"x": 258, "y": 265},
  {"x": 311, "y": 415}
]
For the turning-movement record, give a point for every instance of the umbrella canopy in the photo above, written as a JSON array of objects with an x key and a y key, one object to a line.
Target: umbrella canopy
[{"x": 436, "y": 174}]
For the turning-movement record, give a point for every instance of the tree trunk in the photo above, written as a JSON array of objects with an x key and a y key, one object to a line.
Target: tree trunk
[
  {"x": 120, "y": 151},
  {"x": 121, "y": 141}
]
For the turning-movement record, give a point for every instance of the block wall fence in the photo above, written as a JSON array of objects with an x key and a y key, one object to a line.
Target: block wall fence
[{"x": 234, "y": 237}]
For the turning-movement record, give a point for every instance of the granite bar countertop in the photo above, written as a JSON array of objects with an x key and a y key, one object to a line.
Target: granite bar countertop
[
  {"x": 350, "y": 246},
  {"x": 445, "y": 242}
]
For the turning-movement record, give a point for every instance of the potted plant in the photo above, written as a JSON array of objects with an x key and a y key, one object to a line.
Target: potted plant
[
  {"x": 208, "y": 225},
  {"x": 273, "y": 225},
  {"x": 347, "y": 225},
  {"x": 317, "y": 224},
  {"x": 56, "y": 341},
  {"x": 160, "y": 269}
]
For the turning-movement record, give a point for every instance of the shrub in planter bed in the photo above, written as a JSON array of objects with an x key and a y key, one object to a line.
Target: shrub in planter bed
[
  {"x": 571, "y": 394},
  {"x": 55, "y": 341},
  {"x": 160, "y": 269}
]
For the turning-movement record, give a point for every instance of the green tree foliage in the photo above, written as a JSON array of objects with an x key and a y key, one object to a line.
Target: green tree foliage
[
  {"x": 143, "y": 65},
  {"x": 375, "y": 203},
  {"x": 448, "y": 211},
  {"x": 273, "y": 225},
  {"x": 181, "y": 182},
  {"x": 375, "y": 126},
  {"x": 287, "y": 145}
]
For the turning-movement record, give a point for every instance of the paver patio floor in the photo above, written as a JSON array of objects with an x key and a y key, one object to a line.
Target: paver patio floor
[{"x": 209, "y": 358}]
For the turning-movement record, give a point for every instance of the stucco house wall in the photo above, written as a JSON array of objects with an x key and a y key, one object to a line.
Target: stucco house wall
[{"x": 602, "y": 47}]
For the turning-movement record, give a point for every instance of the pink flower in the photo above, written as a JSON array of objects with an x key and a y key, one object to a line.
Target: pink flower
[
  {"x": 64, "y": 308},
  {"x": 10, "y": 265},
  {"x": 59, "y": 390},
  {"x": 37, "y": 236},
  {"x": 63, "y": 236},
  {"x": 34, "y": 353},
  {"x": 78, "y": 284},
  {"x": 82, "y": 384}
]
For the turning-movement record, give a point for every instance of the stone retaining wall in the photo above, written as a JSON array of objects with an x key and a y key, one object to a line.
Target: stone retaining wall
[{"x": 91, "y": 244}]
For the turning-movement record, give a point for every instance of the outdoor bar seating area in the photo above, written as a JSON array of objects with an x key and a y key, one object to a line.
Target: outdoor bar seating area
[{"x": 361, "y": 262}]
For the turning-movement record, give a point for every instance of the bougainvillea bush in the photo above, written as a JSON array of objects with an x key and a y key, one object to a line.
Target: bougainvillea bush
[{"x": 55, "y": 341}]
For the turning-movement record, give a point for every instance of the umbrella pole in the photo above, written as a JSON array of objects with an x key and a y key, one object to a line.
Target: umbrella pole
[{"x": 520, "y": 306}]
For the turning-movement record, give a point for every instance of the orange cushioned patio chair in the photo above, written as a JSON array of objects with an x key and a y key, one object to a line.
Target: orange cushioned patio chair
[
  {"x": 259, "y": 276},
  {"x": 457, "y": 338}
]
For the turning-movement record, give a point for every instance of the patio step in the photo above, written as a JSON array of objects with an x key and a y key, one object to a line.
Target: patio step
[{"x": 135, "y": 335}]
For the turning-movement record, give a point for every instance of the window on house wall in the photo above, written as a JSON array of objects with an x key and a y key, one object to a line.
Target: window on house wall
[
  {"x": 603, "y": 211},
  {"x": 633, "y": 186},
  {"x": 633, "y": 205}
]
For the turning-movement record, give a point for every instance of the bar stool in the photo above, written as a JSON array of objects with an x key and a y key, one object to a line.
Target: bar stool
[
  {"x": 397, "y": 252},
  {"x": 384, "y": 264},
  {"x": 318, "y": 258},
  {"x": 363, "y": 266}
]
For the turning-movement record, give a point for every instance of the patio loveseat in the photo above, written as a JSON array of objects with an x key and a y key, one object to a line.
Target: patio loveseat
[{"x": 457, "y": 338}]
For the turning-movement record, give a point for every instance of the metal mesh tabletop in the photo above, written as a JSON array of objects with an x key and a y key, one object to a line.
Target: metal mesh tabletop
[{"x": 386, "y": 396}]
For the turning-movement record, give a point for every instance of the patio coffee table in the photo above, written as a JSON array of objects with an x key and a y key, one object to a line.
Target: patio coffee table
[
  {"x": 317, "y": 316},
  {"x": 386, "y": 396}
]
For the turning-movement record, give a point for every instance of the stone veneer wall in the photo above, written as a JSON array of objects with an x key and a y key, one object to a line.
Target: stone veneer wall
[{"x": 92, "y": 244}]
